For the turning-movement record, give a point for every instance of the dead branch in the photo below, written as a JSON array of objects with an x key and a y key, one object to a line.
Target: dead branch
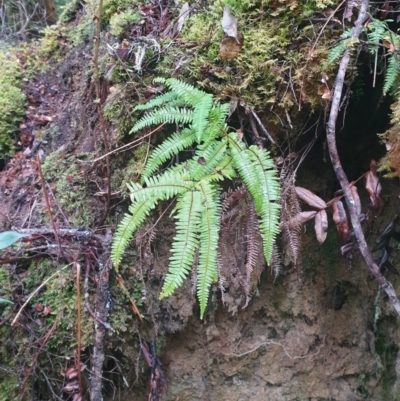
[{"x": 340, "y": 174}]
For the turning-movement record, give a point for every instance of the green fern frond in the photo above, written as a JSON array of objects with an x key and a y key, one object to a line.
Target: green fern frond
[
  {"x": 170, "y": 147},
  {"x": 256, "y": 170},
  {"x": 129, "y": 224},
  {"x": 391, "y": 75},
  {"x": 200, "y": 116},
  {"x": 164, "y": 115},
  {"x": 162, "y": 187},
  {"x": 169, "y": 97},
  {"x": 186, "y": 241},
  {"x": 339, "y": 49},
  {"x": 376, "y": 32},
  {"x": 207, "y": 158},
  {"x": 184, "y": 91},
  {"x": 207, "y": 270}
]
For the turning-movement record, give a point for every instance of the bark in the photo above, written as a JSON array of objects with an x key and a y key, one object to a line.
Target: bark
[{"x": 340, "y": 174}]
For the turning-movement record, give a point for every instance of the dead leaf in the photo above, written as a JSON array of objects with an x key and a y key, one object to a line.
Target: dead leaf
[
  {"x": 230, "y": 47},
  {"x": 229, "y": 24},
  {"x": 321, "y": 226},
  {"x": 325, "y": 92},
  {"x": 373, "y": 187},
  {"x": 310, "y": 198},
  {"x": 301, "y": 218},
  {"x": 183, "y": 16},
  {"x": 340, "y": 219},
  {"x": 356, "y": 198}
]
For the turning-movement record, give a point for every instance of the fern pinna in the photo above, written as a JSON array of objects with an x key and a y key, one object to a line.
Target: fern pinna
[{"x": 219, "y": 156}]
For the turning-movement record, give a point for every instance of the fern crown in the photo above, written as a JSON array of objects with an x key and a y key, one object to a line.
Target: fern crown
[{"x": 194, "y": 184}]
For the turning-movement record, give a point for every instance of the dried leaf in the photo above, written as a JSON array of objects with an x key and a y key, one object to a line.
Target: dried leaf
[
  {"x": 230, "y": 47},
  {"x": 229, "y": 24},
  {"x": 356, "y": 198},
  {"x": 183, "y": 16},
  {"x": 340, "y": 220},
  {"x": 301, "y": 218},
  {"x": 373, "y": 187},
  {"x": 310, "y": 198},
  {"x": 321, "y": 226}
]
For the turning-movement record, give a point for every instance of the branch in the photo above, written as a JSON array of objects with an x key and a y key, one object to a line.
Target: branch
[{"x": 340, "y": 174}]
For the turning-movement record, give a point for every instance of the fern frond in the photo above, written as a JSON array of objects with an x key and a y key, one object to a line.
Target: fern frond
[
  {"x": 164, "y": 114},
  {"x": 377, "y": 30},
  {"x": 391, "y": 75},
  {"x": 170, "y": 147},
  {"x": 186, "y": 241},
  {"x": 162, "y": 187},
  {"x": 339, "y": 49},
  {"x": 129, "y": 224},
  {"x": 184, "y": 91},
  {"x": 207, "y": 271},
  {"x": 169, "y": 97},
  {"x": 207, "y": 158},
  {"x": 201, "y": 116},
  {"x": 255, "y": 169}
]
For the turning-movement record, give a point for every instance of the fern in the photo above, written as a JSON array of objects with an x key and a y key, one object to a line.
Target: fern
[
  {"x": 194, "y": 184},
  {"x": 170, "y": 147},
  {"x": 392, "y": 73},
  {"x": 339, "y": 49}
]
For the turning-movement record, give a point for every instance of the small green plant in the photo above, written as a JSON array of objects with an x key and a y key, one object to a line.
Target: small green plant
[
  {"x": 378, "y": 34},
  {"x": 219, "y": 156}
]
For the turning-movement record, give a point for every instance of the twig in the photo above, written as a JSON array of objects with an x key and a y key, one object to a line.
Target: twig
[
  {"x": 120, "y": 282},
  {"x": 124, "y": 147},
  {"x": 46, "y": 197},
  {"x": 78, "y": 324},
  {"x": 253, "y": 113},
  {"x": 34, "y": 292},
  {"x": 340, "y": 174},
  {"x": 86, "y": 296},
  {"x": 99, "y": 106},
  {"x": 32, "y": 367}
]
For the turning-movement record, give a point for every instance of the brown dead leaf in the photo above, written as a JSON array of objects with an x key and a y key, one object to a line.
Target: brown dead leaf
[
  {"x": 310, "y": 198},
  {"x": 230, "y": 47},
  {"x": 301, "y": 218},
  {"x": 340, "y": 220},
  {"x": 373, "y": 187},
  {"x": 356, "y": 198},
  {"x": 321, "y": 226}
]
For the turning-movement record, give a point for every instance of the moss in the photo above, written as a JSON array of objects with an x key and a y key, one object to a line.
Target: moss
[
  {"x": 119, "y": 21},
  {"x": 69, "y": 11},
  {"x": 12, "y": 101},
  {"x": 112, "y": 6},
  {"x": 71, "y": 189}
]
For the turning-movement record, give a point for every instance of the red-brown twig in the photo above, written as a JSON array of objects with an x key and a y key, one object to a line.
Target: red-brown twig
[
  {"x": 99, "y": 106},
  {"x": 46, "y": 197},
  {"x": 78, "y": 324},
  {"x": 340, "y": 174}
]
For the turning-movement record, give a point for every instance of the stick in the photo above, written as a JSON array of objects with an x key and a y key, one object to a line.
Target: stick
[{"x": 340, "y": 174}]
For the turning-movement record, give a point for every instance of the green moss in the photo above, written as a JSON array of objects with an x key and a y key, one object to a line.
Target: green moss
[
  {"x": 112, "y": 6},
  {"x": 119, "y": 21},
  {"x": 12, "y": 101},
  {"x": 71, "y": 189},
  {"x": 69, "y": 11}
]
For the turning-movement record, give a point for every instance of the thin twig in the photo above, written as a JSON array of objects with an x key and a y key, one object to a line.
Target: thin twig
[
  {"x": 78, "y": 324},
  {"x": 337, "y": 166},
  {"x": 34, "y": 292},
  {"x": 124, "y": 147},
  {"x": 46, "y": 197},
  {"x": 96, "y": 78}
]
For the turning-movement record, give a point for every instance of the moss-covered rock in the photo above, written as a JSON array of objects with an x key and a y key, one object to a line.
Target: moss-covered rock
[{"x": 12, "y": 101}]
